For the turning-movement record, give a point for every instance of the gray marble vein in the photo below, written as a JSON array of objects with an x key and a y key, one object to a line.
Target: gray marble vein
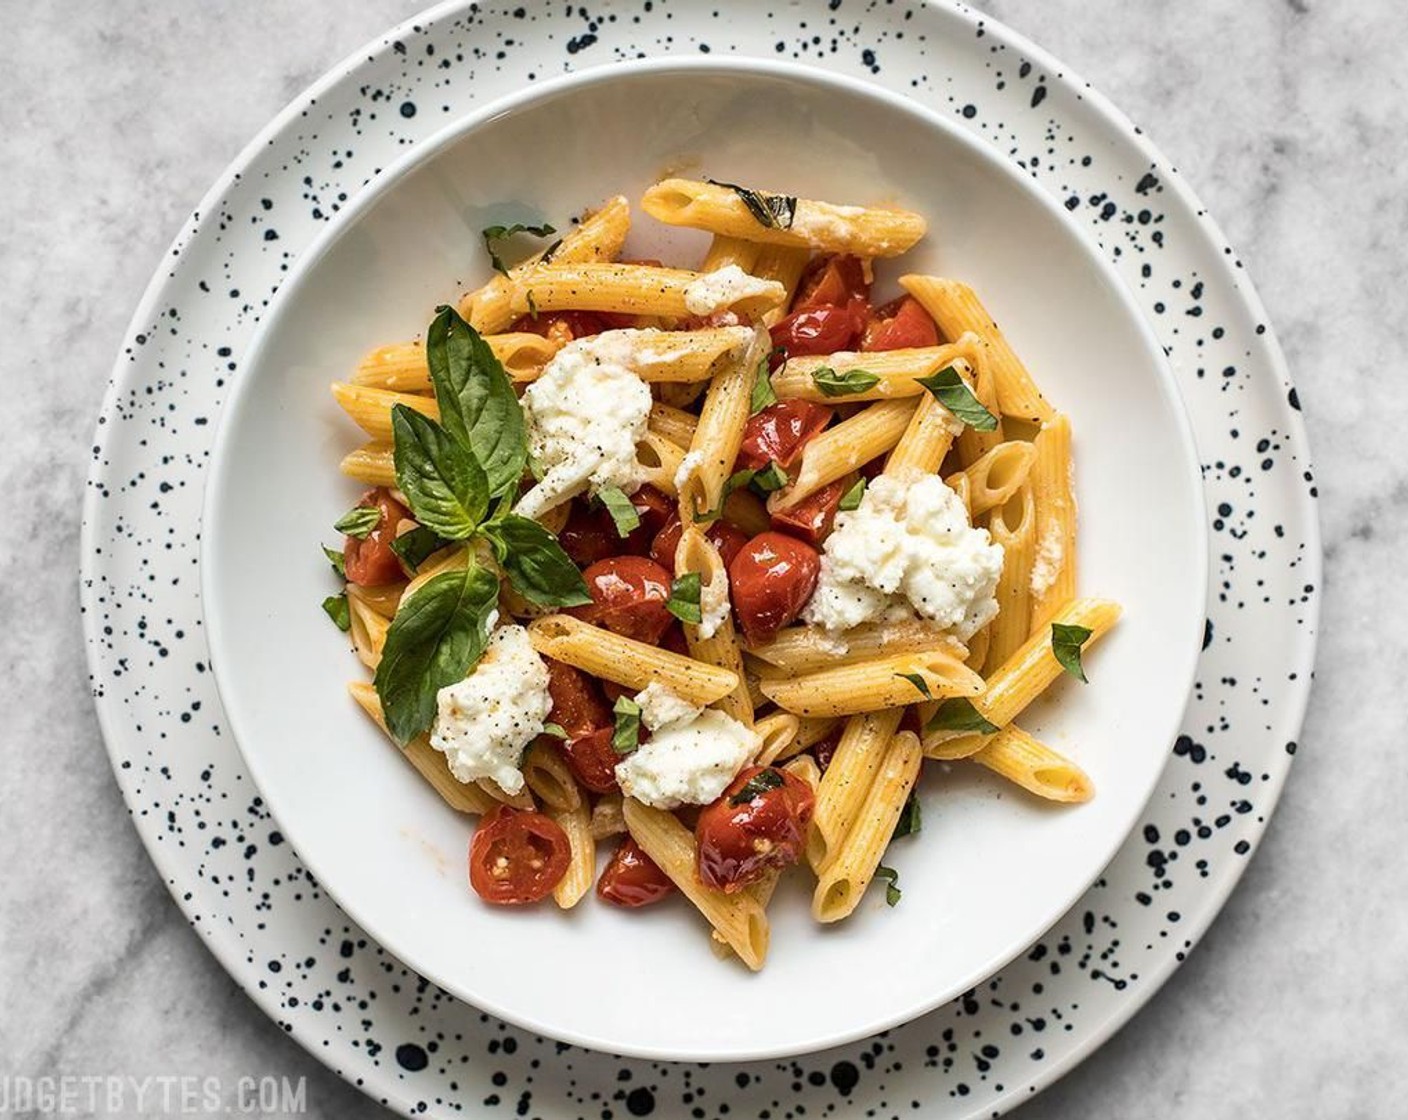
[{"x": 1288, "y": 117}]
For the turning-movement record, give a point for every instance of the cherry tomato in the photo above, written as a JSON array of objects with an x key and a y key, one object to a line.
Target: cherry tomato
[
  {"x": 592, "y": 759},
  {"x": 632, "y": 878},
  {"x": 517, "y": 856},
  {"x": 753, "y": 827},
  {"x": 899, "y": 325},
  {"x": 654, "y": 508},
  {"x": 822, "y": 329},
  {"x": 562, "y": 326},
  {"x": 835, "y": 280},
  {"x": 729, "y": 539},
  {"x": 577, "y": 706},
  {"x": 370, "y": 562},
  {"x": 811, "y": 518},
  {"x": 629, "y": 594},
  {"x": 779, "y": 432},
  {"x": 771, "y": 580},
  {"x": 590, "y": 533}
]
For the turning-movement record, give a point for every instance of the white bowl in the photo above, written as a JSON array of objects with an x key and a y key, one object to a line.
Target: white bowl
[{"x": 993, "y": 868}]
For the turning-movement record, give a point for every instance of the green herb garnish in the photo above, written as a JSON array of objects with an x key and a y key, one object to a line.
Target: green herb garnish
[
  {"x": 771, "y": 211},
  {"x": 757, "y": 785},
  {"x": 359, "y": 522},
  {"x": 415, "y": 546},
  {"x": 626, "y": 736},
  {"x": 959, "y": 714},
  {"x": 850, "y": 500},
  {"x": 951, "y": 391},
  {"x": 338, "y": 610},
  {"x": 684, "y": 598},
  {"x": 623, "y": 511},
  {"x": 910, "y": 820},
  {"x": 494, "y": 234},
  {"x": 833, "y": 384},
  {"x": 1066, "y": 642},
  {"x": 918, "y": 682},
  {"x": 337, "y": 560},
  {"x": 763, "y": 393},
  {"x": 892, "y": 877}
]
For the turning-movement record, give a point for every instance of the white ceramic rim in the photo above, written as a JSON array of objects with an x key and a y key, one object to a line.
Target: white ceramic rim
[{"x": 223, "y": 474}]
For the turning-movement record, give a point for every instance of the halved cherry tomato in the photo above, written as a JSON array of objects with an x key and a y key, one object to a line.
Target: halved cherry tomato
[
  {"x": 821, "y": 329},
  {"x": 561, "y": 327},
  {"x": 899, "y": 325},
  {"x": 590, "y": 533},
  {"x": 632, "y": 878},
  {"x": 831, "y": 280},
  {"x": 728, "y": 538},
  {"x": 629, "y": 594},
  {"x": 779, "y": 432},
  {"x": 370, "y": 562},
  {"x": 577, "y": 706},
  {"x": 811, "y": 518},
  {"x": 771, "y": 581},
  {"x": 758, "y": 824},
  {"x": 592, "y": 759},
  {"x": 654, "y": 509},
  {"x": 517, "y": 856}
]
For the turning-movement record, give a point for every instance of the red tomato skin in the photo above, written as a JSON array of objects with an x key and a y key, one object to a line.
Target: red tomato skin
[
  {"x": 833, "y": 279},
  {"x": 738, "y": 844},
  {"x": 519, "y": 836},
  {"x": 729, "y": 539},
  {"x": 823, "y": 329},
  {"x": 592, "y": 759},
  {"x": 561, "y": 326},
  {"x": 779, "y": 432},
  {"x": 590, "y": 533},
  {"x": 370, "y": 562},
  {"x": 577, "y": 706},
  {"x": 632, "y": 879},
  {"x": 771, "y": 581},
  {"x": 629, "y": 594},
  {"x": 811, "y": 518},
  {"x": 899, "y": 325}
]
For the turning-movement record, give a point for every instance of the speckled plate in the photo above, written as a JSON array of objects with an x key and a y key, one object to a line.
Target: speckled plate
[{"x": 364, "y": 1013}]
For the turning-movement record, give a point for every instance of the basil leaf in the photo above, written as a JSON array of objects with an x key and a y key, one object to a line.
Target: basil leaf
[
  {"x": 556, "y": 730},
  {"x": 770, "y": 478},
  {"x": 491, "y": 234},
  {"x": 735, "y": 481},
  {"x": 477, "y": 403},
  {"x": 892, "y": 877},
  {"x": 1066, "y": 641},
  {"x": 910, "y": 820},
  {"x": 958, "y": 714},
  {"x": 771, "y": 211},
  {"x": 763, "y": 393},
  {"x": 416, "y": 546},
  {"x": 436, "y": 637},
  {"x": 337, "y": 560},
  {"x": 756, "y": 786},
  {"x": 338, "y": 610},
  {"x": 918, "y": 682},
  {"x": 532, "y": 306},
  {"x": 951, "y": 391},
  {"x": 833, "y": 384},
  {"x": 439, "y": 475},
  {"x": 358, "y": 522},
  {"x": 534, "y": 562},
  {"x": 626, "y": 737},
  {"x": 684, "y": 598},
  {"x": 622, "y": 510},
  {"x": 850, "y": 500}
]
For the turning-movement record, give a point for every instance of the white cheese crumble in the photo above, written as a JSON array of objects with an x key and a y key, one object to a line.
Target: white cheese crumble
[
  {"x": 713, "y": 606},
  {"x": 1046, "y": 565},
  {"x": 721, "y": 289},
  {"x": 486, "y": 720},
  {"x": 907, "y": 550},
  {"x": 824, "y": 224},
  {"x": 585, "y": 415},
  {"x": 688, "y": 465},
  {"x": 691, "y": 756}
]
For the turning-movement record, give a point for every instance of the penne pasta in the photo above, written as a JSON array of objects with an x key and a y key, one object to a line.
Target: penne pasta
[
  {"x": 1013, "y": 526},
  {"x": 673, "y": 424},
  {"x": 549, "y": 777},
  {"x": 607, "y": 817},
  {"x": 719, "y": 209},
  {"x": 927, "y": 438},
  {"x": 842, "y": 790},
  {"x": 696, "y": 553},
  {"x": 995, "y": 477},
  {"x": 846, "y": 447},
  {"x": 384, "y": 599},
  {"x": 784, "y": 264},
  {"x": 402, "y": 366},
  {"x": 371, "y": 408},
  {"x": 368, "y": 631},
  {"x": 628, "y": 662},
  {"x": 719, "y": 433},
  {"x": 898, "y": 372},
  {"x": 1053, "y": 578},
  {"x": 805, "y": 649},
  {"x": 1034, "y": 766},
  {"x": 373, "y": 463},
  {"x": 779, "y": 734},
  {"x": 660, "y": 461},
  {"x": 724, "y": 251},
  {"x": 867, "y": 686},
  {"x": 739, "y": 918},
  {"x": 576, "y": 881},
  {"x": 627, "y": 289}
]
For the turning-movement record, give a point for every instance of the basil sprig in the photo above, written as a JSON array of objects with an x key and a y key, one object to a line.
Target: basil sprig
[
  {"x": 951, "y": 391},
  {"x": 439, "y": 475},
  {"x": 834, "y": 384},
  {"x": 626, "y": 736},
  {"x": 771, "y": 211},
  {"x": 850, "y": 500},
  {"x": 959, "y": 714},
  {"x": 358, "y": 522},
  {"x": 534, "y": 562},
  {"x": 684, "y": 598},
  {"x": 919, "y": 683},
  {"x": 436, "y": 637},
  {"x": 623, "y": 511},
  {"x": 756, "y": 786},
  {"x": 494, "y": 234},
  {"x": 1066, "y": 642}
]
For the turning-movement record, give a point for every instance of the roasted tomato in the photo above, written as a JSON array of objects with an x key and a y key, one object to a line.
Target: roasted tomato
[
  {"x": 562, "y": 327},
  {"x": 591, "y": 535},
  {"x": 758, "y": 824},
  {"x": 832, "y": 280},
  {"x": 592, "y": 759},
  {"x": 771, "y": 580},
  {"x": 517, "y": 856},
  {"x": 629, "y": 594},
  {"x": 577, "y": 706},
  {"x": 823, "y": 329},
  {"x": 779, "y": 432},
  {"x": 899, "y": 325},
  {"x": 632, "y": 878},
  {"x": 811, "y": 518},
  {"x": 370, "y": 562},
  {"x": 727, "y": 538}
]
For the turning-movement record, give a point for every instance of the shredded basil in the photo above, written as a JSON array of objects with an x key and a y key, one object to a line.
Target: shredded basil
[
  {"x": 833, "y": 384},
  {"x": 626, "y": 736},
  {"x": 493, "y": 234},
  {"x": 892, "y": 877},
  {"x": 337, "y": 560},
  {"x": 959, "y": 714},
  {"x": 763, "y": 393},
  {"x": 770, "y": 478},
  {"x": 951, "y": 391},
  {"x": 918, "y": 682},
  {"x": 338, "y": 610},
  {"x": 684, "y": 598},
  {"x": 556, "y": 730},
  {"x": 910, "y": 820},
  {"x": 415, "y": 546},
  {"x": 358, "y": 522},
  {"x": 850, "y": 500},
  {"x": 757, "y": 785},
  {"x": 1066, "y": 642},
  {"x": 771, "y": 211},
  {"x": 623, "y": 511}
]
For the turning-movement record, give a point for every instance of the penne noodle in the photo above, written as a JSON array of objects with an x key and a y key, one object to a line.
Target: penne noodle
[
  {"x": 576, "y": 881},
  {"x": 843, "y": 882},
  {"x": 607, "y": 818},
  {"x": 898, "y": 371},
  {"x": 628, "y": 662},
  {"x": 719, "y": 433},
  {"x": 371, "y": 408},
  {"x": 549, "y": 777},
  {"x": 811, "y": 730},
  {"x": 402, "y": 366},
  {"x": 696, "y": 553},
  {"x": 719, "y": 209},
  {"x": 373, "y": 463},
  {"x": 368, "y": 631},
  {"x": 805, "y": 649},
  {"x": 779, "y": 734},
  {"x": 995, "y": 477},
  {"x": 724, "y": 251},
  {"x": 674, "y": 424},
  {"x": 660, "y": 462},
  {"x": 867, "y": 686},
  {"x": 784, "y": 264},
  {"x": 927, "y": 439},
  {"x": 839, "y": 796},
  {"x": 384, "y": 599},
  {"x": 626, "y": 289},
  {"x": 1053, "y": 580},
  {"x": 846, "y": 447},
  {"x": 739, "y": 918},
  {"x": 1013, "y": 526},
  {"x": 523, "y": 799},
  {"x": 1034, "y": 766}
]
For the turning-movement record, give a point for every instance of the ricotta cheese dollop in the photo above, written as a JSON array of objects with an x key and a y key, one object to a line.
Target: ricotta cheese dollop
[
  {"x": 692, "y": 754},
  {"x": 907, "y": 550},
  {"x": 719, "y": 290},
  {"x": 585, "y": 415},
  {"x": 485, "y": 721}
]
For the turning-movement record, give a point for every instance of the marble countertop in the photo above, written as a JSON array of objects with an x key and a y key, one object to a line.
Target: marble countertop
[{"x": 1288, "y": 116}]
